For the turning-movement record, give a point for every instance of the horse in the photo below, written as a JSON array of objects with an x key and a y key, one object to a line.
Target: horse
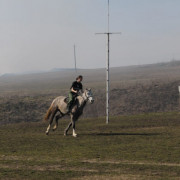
[{"x": 59, "y": 104}]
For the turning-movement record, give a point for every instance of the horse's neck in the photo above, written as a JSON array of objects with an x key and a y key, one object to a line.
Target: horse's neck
[{"x": 82, "y": 101}]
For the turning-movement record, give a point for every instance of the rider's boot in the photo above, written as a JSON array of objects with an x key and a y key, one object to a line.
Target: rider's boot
[{"x": 69, "y": 106}]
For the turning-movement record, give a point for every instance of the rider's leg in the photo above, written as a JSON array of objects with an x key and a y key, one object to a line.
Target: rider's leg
[{"x": 70, "y": 103}]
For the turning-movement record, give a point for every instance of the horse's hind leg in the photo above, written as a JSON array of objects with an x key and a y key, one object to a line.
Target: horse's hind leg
[
  {"x": 51, "y": 120},
  {"x": 56, "y": 119},
  {"x": 48, "y": 128}
]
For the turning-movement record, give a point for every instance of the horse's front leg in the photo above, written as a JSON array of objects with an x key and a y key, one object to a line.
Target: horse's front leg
[
  {"x": 67, "y": 129},
  {"x": 74, "y": 132}
]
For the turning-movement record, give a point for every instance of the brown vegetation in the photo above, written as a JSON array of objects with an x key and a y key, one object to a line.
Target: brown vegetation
[{"x": 135, "y": 89}]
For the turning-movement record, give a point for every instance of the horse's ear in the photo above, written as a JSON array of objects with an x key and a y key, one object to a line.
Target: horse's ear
[{"x": 87, "y": 89}]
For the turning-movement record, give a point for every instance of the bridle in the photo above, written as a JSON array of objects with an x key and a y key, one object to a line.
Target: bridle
[{"x": 87, "y": 97}]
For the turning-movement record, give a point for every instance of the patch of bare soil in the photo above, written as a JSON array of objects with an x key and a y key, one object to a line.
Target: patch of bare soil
[
  {"x": 132, "y": 162},
  {"x": 120, "y": 177},
  {"x": 44, "y": 168}
]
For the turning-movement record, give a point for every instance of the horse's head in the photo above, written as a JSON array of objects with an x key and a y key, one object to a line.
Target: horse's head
[{"x": 88, "y": 95}]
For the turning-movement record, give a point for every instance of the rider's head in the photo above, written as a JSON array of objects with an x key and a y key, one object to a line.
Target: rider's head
[{"x": 79, "y": 78}]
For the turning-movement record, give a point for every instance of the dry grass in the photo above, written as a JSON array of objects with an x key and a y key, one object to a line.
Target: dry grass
[{"x": 134, "y": 90}]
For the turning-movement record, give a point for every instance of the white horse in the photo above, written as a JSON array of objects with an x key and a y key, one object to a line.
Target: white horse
[{"x": 59, "y": 104}]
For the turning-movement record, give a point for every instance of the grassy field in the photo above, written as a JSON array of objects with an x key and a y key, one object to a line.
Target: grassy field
[{"x": 145, "y": 146}]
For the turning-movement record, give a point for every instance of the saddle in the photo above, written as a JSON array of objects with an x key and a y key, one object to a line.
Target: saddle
[
  {"x": 74, "y": 104},
  {"x": 66, "y": 100}
]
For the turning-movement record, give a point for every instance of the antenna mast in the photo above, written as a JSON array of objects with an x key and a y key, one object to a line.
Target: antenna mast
[
  {"x": 107, "y": 72},
  {"x": 75, "y": 58},
  {"x": 108, "y": 16},
  {"x": 108, "y": 33}
]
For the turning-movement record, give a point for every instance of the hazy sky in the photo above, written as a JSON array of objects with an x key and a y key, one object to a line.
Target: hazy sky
[{"x": 39, "y": 34}]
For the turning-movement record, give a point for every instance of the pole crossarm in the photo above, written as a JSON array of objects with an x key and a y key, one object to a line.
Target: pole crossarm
[{"x": 108, "y": 33}]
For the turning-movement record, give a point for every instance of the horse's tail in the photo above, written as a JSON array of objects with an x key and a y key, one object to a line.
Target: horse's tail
[{"x": 48, "y": 113}]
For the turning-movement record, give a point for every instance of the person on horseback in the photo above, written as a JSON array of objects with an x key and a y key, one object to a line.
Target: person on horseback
[{"x": 74, "y": 90}]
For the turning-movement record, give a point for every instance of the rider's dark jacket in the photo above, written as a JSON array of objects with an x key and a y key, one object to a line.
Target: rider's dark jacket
[{"x": 77, "y": 86}]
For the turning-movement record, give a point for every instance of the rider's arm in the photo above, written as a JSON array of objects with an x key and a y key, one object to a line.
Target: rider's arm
[
  {"x": 72, "y": 90},
  {"x": 82, "y": 89}
]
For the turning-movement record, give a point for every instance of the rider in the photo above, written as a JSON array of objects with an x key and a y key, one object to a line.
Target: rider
[{"x": 74, "y": 90}]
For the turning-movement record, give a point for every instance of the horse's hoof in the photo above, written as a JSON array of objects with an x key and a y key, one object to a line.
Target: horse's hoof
[
  {"x": 74, "y": 135},
  {"x": 47, "y": 133},
  {"x": 53, "y": 129},
  {"x": 65, "y": 134}
]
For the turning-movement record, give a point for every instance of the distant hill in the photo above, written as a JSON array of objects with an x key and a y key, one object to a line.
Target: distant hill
[
  {"x": 60, "y": 78},
  {"x": 172, "y": 63},
  {"x": 62, "y": 69}
]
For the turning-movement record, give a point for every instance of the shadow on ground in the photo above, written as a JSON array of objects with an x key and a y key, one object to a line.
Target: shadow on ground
[{"x": 123, "y": 134}]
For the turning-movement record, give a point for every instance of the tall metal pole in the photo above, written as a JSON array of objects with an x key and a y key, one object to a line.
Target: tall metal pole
[
  {"x": 108, "y": 17},
  {"x": 107, "y": 72},
  {"x": 107, "y": 67},
  {"x": 75, "y": 58},
  {"x": 107, "y": 80}
]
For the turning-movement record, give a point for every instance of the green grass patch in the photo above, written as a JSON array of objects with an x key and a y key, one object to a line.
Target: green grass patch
[{"x": 145, "y": 146}]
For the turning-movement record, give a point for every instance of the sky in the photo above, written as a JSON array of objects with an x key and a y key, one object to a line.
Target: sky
[{"x": 38, "y": 35}]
